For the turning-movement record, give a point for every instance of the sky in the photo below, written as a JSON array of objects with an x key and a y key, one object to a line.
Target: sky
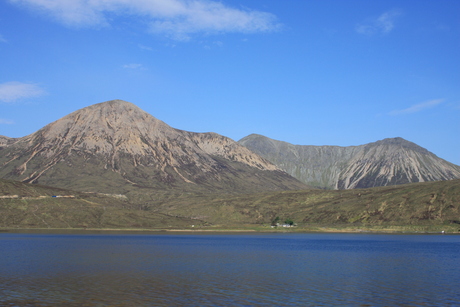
[{"x": 317, "y": 72}]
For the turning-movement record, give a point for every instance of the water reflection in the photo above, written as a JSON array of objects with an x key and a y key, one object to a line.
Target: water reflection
[{"x": 228, "y": 270}]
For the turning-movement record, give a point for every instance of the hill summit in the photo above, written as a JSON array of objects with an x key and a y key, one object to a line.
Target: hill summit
[
  {"x": 115, "y": 145},
  {"x": 386, "y": 162}
]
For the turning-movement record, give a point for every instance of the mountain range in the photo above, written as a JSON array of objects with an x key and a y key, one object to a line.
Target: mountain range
[
  {"x": 386, "y": 162},
  {"x": 112, "y": 165},
  {"x": 115, "y": 147}
]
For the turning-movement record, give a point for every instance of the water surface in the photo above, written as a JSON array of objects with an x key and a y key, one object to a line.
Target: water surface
[{"x": 229, "y": 270}]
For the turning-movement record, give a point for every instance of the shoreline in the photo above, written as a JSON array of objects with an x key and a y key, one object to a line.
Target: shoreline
[{"x": 367, "y": 230}]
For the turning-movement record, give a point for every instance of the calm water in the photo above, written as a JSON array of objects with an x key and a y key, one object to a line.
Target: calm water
[{"x": 229, "y": 270}]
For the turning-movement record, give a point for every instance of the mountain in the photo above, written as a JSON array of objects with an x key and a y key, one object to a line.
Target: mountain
[
  {"x": 114, "y": 147},
  {"x": 386, "y": 162}
]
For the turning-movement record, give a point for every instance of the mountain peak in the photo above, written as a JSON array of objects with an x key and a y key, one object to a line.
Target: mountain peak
[
  {"x": 386, "y": 162},
  {"x": 116, "y": 104},
  {"x": 400, "y": 142},
  {"x": 118, "y": 144},
  {"x": 103, "y": 128},
  {"x": 116, "y": 110}
]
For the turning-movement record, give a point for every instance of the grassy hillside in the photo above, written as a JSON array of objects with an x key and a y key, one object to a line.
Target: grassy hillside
[
  {"x": 34, "y": 206},
  {"x": 413, "y": 206},
  {"x": 431, "y": 206}
]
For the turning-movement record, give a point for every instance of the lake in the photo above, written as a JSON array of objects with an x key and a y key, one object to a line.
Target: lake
[{"x": 229, "y": 270}]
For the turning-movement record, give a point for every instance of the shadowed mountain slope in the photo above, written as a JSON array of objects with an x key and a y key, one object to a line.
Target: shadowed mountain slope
[
  {"x": 386, "y": 162},
  {"x": 114, "y": 145}
]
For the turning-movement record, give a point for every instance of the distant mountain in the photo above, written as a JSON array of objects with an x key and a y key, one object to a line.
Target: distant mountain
[
  {"x": 386, "y": 162},
  {"x": 114, "y": 146}
]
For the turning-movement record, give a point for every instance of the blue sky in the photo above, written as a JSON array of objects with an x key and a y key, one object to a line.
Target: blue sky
[{"x": 305, "y": 72}]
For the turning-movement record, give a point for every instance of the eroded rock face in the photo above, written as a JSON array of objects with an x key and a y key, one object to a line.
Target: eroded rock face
[
  {"x": 394, "y": 161},
  {"x": 118, "y": 137},
  {"x": 386, "y": 162},
  {"x": 5, "y": 141}
]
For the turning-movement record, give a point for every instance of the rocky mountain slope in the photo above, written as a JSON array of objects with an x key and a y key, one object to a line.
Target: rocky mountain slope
[
  {"x": 4, "y": 141},
  {"x": 386, "y": 162},
  {"x": 115, "y": 146}
]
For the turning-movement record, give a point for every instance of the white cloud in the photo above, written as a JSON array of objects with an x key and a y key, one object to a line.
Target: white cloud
[
  {"x": 143, "y": 47},
  {"x": 384, "y": 24},
  {"x": 14, "y": 91},
  {"x": 134, "y": 66},
  {"x": 418, "y": 107},
  {"x": 214, "y": 44},
  {"x": 6, "y": 121},
  {"x": 218, "y": 43},
  {"x": 69, "y": 12},
  {"x": 177, "y": 19},
  {"x": 2, "y": 39}
]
